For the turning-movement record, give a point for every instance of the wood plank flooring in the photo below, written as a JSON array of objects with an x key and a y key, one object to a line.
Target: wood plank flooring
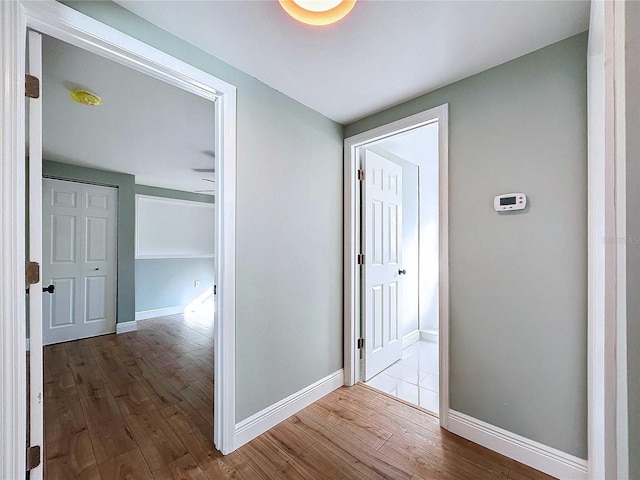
[{"x": 139, "y": 406}]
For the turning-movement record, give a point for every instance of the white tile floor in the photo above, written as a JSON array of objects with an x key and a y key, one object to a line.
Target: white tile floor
[{"x": 414, "y": 377}]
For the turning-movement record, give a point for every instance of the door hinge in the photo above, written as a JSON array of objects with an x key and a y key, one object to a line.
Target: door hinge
[
  {"x": 360, "y": 174},
  {"x": 32, "y": 273},
  {"x": 360, "y": 259},
  {"x": 361, "y": 343},
  {"x": 31, "y": 86},
  {"x": 33, "y": 457},
  {"x": 215, "y": 289}
]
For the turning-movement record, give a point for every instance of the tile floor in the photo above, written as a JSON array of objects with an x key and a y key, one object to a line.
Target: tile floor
[{"x": 414, "y": 377}]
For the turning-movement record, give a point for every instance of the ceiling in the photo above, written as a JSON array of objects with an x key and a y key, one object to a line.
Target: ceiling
[
  {"x": 144, "y": 127},
  {"x": 382, "y": 53},
  {"x": 414, "y": 145}
]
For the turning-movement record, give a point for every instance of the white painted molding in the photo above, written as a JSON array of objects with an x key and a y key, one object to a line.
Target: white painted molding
[
  {"x": 268, "y": 418},
  {"x": 35, "y": 254},
  {"x": 165, "y": 257},
  {"x": 13, "y": 391},
  {"x": 410, "y": 338},
  {"x": 126, "y": 327},
  {"x": 159, "y": 312},
  {"x": 602, "y": 255},
  {"x": 429, "y": 336},
  {"x": 541, "y": 457},
  {"x": 625, "y": 60}
]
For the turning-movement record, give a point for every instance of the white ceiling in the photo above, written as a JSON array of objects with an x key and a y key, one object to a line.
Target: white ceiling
[
  {"x": 144, "y": 127},
  {"x": 382, "y": 53},
  {"x": 414, "y": 145}
]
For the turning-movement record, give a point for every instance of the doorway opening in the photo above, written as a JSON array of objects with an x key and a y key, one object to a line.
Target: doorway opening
[
  {"x": 396, "y": 298},
  {"x": 65, "y": 24},
  {"x": 149, "y": 183}
]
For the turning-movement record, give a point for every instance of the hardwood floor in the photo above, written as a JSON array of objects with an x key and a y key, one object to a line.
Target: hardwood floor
[{"x": 139, "y": 406}]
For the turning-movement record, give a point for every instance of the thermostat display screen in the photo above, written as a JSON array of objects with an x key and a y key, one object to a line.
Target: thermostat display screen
[{"x": 509, "y": 202}]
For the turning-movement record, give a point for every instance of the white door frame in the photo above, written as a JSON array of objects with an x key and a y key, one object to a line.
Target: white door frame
[
  {"x": 64, "y": 23},
  {"x": 607, "y": 365},
  {"x": 352, "y": 283}
]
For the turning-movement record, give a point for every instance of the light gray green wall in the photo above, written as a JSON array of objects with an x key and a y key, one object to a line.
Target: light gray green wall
[
  {"x": 288, "y": 228},
  {"x": 633, "y": 231},
  {"x": 126, "y": 225},
  {"x": 518, "y": 282},
  {"x": 169, "y": 282}
]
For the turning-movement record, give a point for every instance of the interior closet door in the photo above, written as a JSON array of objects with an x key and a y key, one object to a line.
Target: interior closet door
[{"x": 80, "y": 235}]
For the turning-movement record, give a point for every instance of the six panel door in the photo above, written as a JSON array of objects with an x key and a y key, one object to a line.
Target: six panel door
[
  {"x": 382, "y": 231},
  {"x": 79, "y": 259}
]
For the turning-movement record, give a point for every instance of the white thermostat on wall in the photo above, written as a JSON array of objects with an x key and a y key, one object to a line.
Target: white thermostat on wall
[{"x": 510, "y": 201}]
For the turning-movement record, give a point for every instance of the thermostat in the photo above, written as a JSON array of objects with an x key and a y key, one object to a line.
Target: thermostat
[{"x": 510, "y": 201}]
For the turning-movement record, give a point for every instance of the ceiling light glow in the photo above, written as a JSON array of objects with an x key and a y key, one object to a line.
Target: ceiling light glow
[
  {"x": 317, "y": 5},
  {"x": 318, "y": 12}
]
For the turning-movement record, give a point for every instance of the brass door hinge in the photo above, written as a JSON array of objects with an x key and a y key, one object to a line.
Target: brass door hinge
[
  {"x": 33, "y": 457},
  {"x": 361, "y": 343},
  {"x": 360, "y": 259},
  {"x": 31, "y": 86},
  {"x": 32, "y": 273}
]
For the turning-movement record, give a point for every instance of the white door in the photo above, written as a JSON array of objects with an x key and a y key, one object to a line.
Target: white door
[
  {"x": 79, "y": 237},
  {"x": 34, "y": 188},
  {"x": 382, "y": 274}
]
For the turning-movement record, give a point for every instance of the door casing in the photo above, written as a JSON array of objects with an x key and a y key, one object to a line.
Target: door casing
[
  {"x": 352, "y": 242},
  {"x": 64, "y": 23}
]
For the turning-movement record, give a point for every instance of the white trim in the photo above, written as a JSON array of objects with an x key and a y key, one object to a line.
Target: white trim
[
  {"x": 269, "y": 417},
  {"x": 159, "y": 312},
  {"x": 602, "y": 243},
  {"x": 541, "y": 457},
  {"x": 64, "y": 23},
  {"x": 126, "y": 327},
  {"x": 35, "y": 254},
  {"x": 410, "y": 338},
  {"x": 351, "y": 213},
  {"x": 165, "y": 257},
  {"x": 429, "y": 336},
  {"x": 13, "y": 389},
  {"x": 623, "y": 49}
]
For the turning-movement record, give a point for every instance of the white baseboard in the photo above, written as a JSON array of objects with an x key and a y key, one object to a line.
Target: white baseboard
[
  {"x": 541, "y": 457},
  {"x": 268, "y": 418},
  {"x": 159, "y": 312},
  {"x": 126, "y": 327},
  {"x": 429, "y": 335},
  {"x": 410, "y": 338}
]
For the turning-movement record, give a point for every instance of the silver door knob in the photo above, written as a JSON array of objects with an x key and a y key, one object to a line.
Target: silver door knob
[{"x": 402, "y": 272}]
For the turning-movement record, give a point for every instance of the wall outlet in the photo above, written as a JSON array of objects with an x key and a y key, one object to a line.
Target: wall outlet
[{"x": 196, "y": 284}]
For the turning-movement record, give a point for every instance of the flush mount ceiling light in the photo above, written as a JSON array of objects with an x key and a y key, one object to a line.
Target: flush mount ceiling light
[
  {"x": 317, "y": 12},
  {"x": 85, "y": 97}
]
